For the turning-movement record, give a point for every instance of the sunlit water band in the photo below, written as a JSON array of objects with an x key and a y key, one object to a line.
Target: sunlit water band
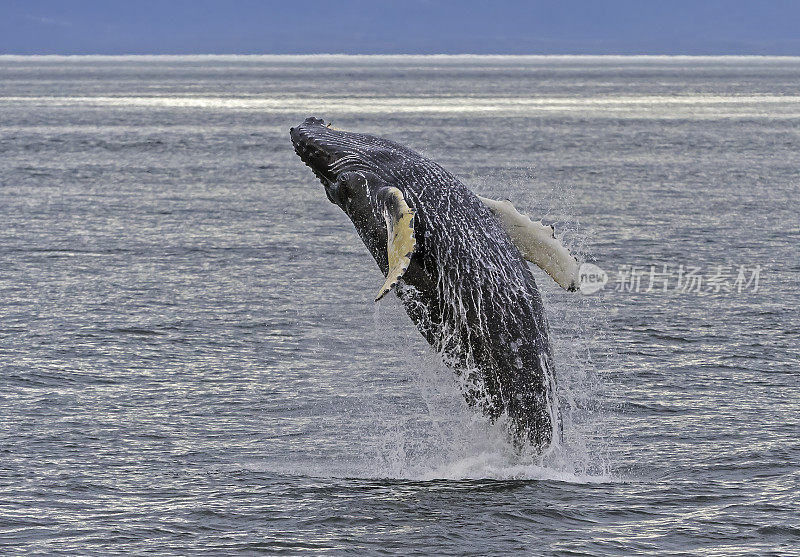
[{"x": 657, "y": 107}]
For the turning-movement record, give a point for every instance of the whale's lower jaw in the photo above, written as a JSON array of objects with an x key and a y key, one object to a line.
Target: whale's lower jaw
[
  {"x": 303, "y": 154},
  {"x": 312, "y": 157}
]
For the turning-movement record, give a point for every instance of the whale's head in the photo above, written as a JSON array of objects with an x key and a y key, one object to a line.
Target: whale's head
[
  {"x": 322, "y": 148},
  {"x": 354, "y": 168},
  {"x": 332, "y": 154}
]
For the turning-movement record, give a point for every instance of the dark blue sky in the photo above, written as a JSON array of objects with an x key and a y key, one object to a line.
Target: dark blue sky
[{"x": 408, "y": 26}]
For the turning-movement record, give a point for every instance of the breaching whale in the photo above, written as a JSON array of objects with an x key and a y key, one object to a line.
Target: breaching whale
[{"x": 458, "y": 264}]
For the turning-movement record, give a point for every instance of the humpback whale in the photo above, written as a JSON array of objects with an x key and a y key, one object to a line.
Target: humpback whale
[{"x": 457, "y": 262}]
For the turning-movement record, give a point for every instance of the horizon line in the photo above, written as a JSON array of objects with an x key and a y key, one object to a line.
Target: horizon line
[{"x": 400, "y": 55}]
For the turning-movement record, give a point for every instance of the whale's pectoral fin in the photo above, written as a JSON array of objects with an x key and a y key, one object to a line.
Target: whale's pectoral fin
[
  {"x": 400, "y": 243},
  {"x": 537, "y": 243}
]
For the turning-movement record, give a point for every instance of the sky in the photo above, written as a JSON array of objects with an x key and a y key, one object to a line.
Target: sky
[{"x": 699, "y": 27}]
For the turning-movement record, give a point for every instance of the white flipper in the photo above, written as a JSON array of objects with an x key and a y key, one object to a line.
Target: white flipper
[
  {"x": 537, "y": 243},
  {"x": 400, "y": 244}
]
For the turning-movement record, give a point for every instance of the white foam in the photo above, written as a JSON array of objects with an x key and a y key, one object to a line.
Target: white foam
[
  {"x": 482, "y": 466},
  {"x": 498, "y": 466}
]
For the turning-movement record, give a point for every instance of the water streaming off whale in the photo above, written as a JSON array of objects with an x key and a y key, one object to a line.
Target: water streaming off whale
[{"x": 192, "y": 360}]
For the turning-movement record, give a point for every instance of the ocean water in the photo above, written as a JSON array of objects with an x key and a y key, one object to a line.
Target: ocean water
[{"x": 192, "y": 362}]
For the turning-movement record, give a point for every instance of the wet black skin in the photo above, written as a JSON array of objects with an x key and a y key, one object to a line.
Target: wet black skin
[{"x": 462, "y": 254}]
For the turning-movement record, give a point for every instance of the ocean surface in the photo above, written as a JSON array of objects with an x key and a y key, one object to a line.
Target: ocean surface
[{"x": 192, "y": 361}]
